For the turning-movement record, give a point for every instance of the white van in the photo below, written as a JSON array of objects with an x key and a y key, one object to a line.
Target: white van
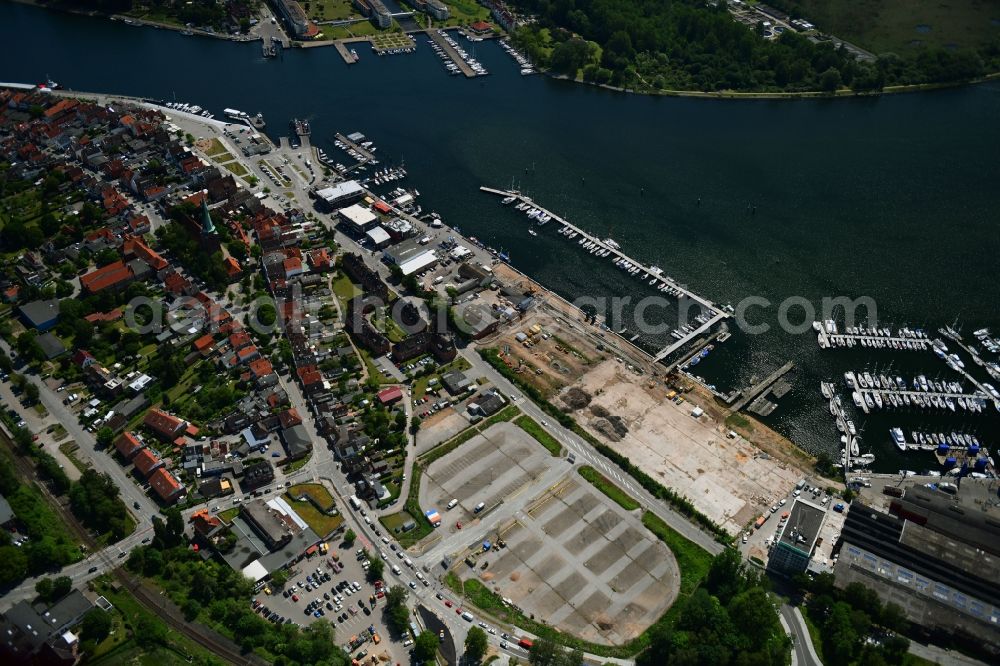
[
  {"x": 407, "y": 562},
  {"x": 452, "y": 504},
  {"x": 467, "y": 616},
  {"x": 355, "y": 504},
  {"x": 396, "y": 570},
  {"x": 479, "y": 507}
]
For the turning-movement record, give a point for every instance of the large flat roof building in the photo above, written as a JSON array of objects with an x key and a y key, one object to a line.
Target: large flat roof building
[
  {"x": 941, "y": 582},
  {"x": 341, "y": 193},
  {"x": 358, "y": 218},
  {"x": 794, "y": 547}
]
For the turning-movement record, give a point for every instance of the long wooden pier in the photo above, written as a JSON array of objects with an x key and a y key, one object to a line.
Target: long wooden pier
[
  {"x": 452, "y": 53},
  {"x": 717, "y": 314}
]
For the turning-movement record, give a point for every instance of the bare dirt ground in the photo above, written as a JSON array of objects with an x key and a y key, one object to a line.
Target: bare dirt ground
[{"x": 729, "y": 480}]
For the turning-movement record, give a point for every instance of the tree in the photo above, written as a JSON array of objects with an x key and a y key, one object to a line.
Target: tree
[
  {"x": 425, "y": 647},
  {"x": 349, "y": 537},
  {"x": 279, "y": 578},
  {"x": 96, "y": 625},
  {"x": 105, "y": 436},
  {"x": 476, "y": 644},
  {"x": 414, "y": 425},
  {"x": 376, "y": 567},
  {"x": 396, "y": 596},
  {"x": 830, "y": 79},
  {"x": 31, "y": 392},
  {"x": 44, "y": 589}
]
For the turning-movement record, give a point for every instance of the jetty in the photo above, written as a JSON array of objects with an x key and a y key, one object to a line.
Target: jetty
[
  {"x": 713, "y": 312},
  {"x": 453, "y": 55},
  {"x": 752, "y": 392},
  {"x": 847, "y": 340}
]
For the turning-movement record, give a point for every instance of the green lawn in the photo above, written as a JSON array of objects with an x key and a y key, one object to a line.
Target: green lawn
[
  {"x": 692, "y": 559},
  {"x": 466, "y": 11},
  {"x": 316, "y": 491},
  {"x": 329, "y": 10},
  {"x": 229, "y": 514},
  {"x": 603, "y": 484},
  {"x": 530, "y": 426}
]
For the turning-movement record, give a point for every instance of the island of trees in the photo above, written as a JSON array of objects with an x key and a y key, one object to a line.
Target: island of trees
[{"x": 690, "y": 45}]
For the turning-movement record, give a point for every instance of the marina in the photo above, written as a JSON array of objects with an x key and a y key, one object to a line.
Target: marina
[
  {"x": 904, "y": 339},
  {"x": 872, "y": 392},
  {"x": 710, "y": 315},
  {"x": 449, "y": 50}
]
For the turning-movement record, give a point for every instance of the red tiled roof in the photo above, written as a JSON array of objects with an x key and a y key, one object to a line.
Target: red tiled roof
[
  {"x": 390, "y": 395},
  {"x": 146, "y": 461},
  {"x": 204, "y": 522},
  {"x": 95, "y": 317},
  {"x": 147, "y": 254},
  {"x": 113, "y": 274},
  {"x": 292, "y": 264},
  {"x": 204, "y": 342},
  {"x": 246, "y": 352},
  {"x": 239, "y": 339},
  {"x": 261, "y": 367},
  {"x": 290, "y": 417},
  {"x": 166, "y": 425},
  {"x": 232, "y": 267},
  {"x": 127, "y": 444},
  {"x": 165, "y": 485}
]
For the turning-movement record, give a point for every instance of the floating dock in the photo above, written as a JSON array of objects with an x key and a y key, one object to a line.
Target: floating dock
[
  {"x": 453, "y": 55},
  {"x": 714, "y": 313},
  {"x": 848, "y": 340}
]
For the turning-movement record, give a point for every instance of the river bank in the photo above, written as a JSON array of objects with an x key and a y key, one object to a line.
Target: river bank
[{"x": 844, "y": 93}]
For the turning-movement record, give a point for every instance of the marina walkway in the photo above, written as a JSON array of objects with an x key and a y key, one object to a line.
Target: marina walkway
[
  {"x": 452, "y": 53},
  {"x": 645, "y": 272},
  {"x": 828, "y": 340}
]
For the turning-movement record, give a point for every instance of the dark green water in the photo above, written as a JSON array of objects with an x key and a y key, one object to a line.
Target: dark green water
[{"x": 894, "y": 198}]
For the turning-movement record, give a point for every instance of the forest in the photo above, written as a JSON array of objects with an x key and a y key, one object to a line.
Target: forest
[{"x": 685, "y": 45}]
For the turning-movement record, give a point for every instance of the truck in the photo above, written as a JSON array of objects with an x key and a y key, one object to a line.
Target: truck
[
  {"x": 467, "y": 616},
  {"x": 525, "y": 643},
  {"x": 760, "y": 521}
]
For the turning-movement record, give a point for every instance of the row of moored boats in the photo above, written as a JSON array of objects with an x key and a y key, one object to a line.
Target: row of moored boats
[
  {"x": 521, "y": 59},
  {"x": 190, "y": 108}
]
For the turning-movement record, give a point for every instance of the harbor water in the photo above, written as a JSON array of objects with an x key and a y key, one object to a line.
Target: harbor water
[{"x": 895, "y": 198}]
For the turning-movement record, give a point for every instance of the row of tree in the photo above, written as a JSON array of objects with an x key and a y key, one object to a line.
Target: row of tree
[
  {"x": 856, "y": 627},
  {"x": 690, "y": 45}
]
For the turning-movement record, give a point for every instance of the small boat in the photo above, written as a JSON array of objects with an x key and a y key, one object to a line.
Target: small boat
[
  {"x": 508, "y": 200},
  {"x": 532, "y": 232},
  {"x": 898, "y": 438}
]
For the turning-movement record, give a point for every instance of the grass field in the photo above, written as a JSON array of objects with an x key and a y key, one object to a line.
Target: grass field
[
  {"x": 530, "y": 426},
  {"x": 900, "y": 26},
  {"x": 603, "y": 484},
  {"x": 329, "y": 10},
  {"x": 692, "y": 559}
]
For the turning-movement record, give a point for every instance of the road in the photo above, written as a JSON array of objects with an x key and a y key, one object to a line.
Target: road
[
  {"x": 803, "y": 652},
  {"x": 110, "y": 557}
]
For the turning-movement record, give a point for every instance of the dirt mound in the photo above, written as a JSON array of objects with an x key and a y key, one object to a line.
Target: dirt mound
[
  {"x": 604, "y": 427},
  {"x": 576, "y": 398},
  {"x": 618, "y": 424},
  {"x": 599, "y": 412},
  {"x": 604, "y": 622},
  {"x": 515, "y": 576},
  {"x": 488, "y": 576}
]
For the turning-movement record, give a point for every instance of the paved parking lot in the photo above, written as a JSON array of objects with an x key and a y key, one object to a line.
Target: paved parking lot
[
  {"x": 588, "y": 567},
  {"x": 355, "y": 622},
  {"x": 488, "y": 468}
]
